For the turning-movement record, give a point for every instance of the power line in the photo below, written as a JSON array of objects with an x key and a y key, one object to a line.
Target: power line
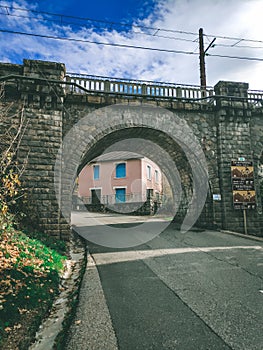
[
  {"x": 92, "y": 20},
  {"x": 126, "y": 46},
  {"x": 154, "y": 29},
  {"x": 97, "y": 42},
  {"x": 60, "y": 21},
  {"x": 233, "y": 38},
  {"x": 98, "y": 27},
  {"x": 239, "y": 46},
  {"x": 143, "y": 33},
  {"x": 168, "y": 37},
  {"x": 236, "y": 57},
  {"x": 136, "y": 32}
]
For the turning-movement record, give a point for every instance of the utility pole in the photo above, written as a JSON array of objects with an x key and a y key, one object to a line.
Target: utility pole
[
  {"x": 202, "y": 53},
  {"x": 202, "y": 59}
]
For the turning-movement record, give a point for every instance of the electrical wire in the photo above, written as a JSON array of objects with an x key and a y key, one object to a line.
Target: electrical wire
[
  {"x": 60, "y": 21},
  {"x": 233, "y": 38},
  {"x": 97, "y": 42},
  {"x": 98, "y": 27},
  {"x": 92, "y": 20},
  {"x": 239, "y": 46},
  {"x": 236, "y": 57},
  {"x": 8, "y": 10},
  {"x": 155, "y": 29},
  {"x": 127, "y": 46}
]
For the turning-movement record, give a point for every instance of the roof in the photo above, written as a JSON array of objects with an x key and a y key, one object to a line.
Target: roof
[{"x": 117, "y": 155}]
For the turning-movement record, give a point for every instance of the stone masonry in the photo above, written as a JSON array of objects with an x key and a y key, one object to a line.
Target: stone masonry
[{"x": 227, "y": 126}]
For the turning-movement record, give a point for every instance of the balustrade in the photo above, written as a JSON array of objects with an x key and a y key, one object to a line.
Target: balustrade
[
  {"x": 84, "y": 84},
  {"x": 89, "y": 84},
  {"x": 256, "y": 97}
]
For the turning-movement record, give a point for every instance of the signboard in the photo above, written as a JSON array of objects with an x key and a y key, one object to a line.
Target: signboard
[
  {"x": 244, "y": 199},
  {"x": 244, "y": 195},
  {"x": 217, "y": 197}
]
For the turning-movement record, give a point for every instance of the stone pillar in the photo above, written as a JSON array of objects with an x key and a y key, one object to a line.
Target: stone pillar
[
  {"x": 44, "y": 69},
  {"x": 144, "y": 89},
  {"x": 43, "y": 100},
  {"x": 42, "y": 91},
  {"x": 107, "y": 86},
  {"x": 233, "y": 141}
]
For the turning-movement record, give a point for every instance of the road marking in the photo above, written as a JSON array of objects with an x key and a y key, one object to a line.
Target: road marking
[{"x": 116, "y": 257}]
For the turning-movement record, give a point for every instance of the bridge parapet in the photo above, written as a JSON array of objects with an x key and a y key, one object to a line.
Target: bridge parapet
[
  {"x": 82, "y": 84},
  {"x": 88, "y": 84},
  {"x": 39, "y": 73},
  {"x": 255, "y": 97}
]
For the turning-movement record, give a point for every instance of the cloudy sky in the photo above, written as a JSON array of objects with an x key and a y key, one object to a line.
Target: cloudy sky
[{"x": 170, "y": 25}]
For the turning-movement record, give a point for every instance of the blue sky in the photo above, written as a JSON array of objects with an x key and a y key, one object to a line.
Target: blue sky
[
  {"x": 114, "y": 10},
  {"x": 231, "y": 18}
]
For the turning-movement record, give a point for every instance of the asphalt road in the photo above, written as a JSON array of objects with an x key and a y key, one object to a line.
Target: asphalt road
[{"x": 198, "y": 290}]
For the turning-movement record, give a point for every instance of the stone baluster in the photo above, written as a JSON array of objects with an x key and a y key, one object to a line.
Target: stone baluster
[
  {"x": 179, "y": 92},
  {"x": 107, "y": 86}
]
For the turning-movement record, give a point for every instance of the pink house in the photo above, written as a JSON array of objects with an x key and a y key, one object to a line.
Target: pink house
[{"x": 120, "y": 177}]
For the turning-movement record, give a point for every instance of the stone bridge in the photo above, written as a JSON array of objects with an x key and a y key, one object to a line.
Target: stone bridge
[{"x": 74, "y": 118}]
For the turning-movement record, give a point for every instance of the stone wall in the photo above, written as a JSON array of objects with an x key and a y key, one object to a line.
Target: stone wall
[
  {"x": 42, "y": 112},
  {"x": 237, "y": 137},
  {"x": 226, "y": 128}
]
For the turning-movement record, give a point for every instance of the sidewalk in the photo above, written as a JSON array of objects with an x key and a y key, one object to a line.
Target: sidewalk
[{"x": 92, "y": 327}]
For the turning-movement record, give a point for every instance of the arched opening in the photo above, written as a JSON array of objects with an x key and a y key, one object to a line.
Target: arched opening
[
  {"x": 156, "y": 147},
  {"x": 165, "y": 139}
]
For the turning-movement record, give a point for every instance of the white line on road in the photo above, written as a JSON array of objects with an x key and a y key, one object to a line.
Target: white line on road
[{"x": 115, "y": 257}]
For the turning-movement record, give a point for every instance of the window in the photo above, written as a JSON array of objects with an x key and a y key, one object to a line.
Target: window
[
  {"x": 156, "y": 176},
  {"x": 121, "y": 170},
  {"x": 96, "y": 172},
  {"x": 120, "y": 195},
  {"x": 149, "y": 172}
]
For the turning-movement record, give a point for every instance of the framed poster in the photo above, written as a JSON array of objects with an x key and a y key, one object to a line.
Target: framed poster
[{"x": 243, "y": 186}]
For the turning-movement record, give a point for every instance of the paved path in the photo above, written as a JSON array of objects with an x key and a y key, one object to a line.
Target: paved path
[
  {"x": 92, "y": 327},
  {"x": 200, "y": 290}
]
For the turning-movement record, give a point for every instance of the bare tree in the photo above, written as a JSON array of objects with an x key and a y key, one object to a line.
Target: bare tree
[{"x": 12, "y": 127}]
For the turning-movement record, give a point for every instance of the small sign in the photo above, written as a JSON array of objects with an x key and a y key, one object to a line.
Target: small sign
[
  {"x": 216, "y": 197},
  {"x": 244, "y": 195}
]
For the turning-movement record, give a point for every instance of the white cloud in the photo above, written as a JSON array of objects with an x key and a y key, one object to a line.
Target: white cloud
[{"x": 239, "y": 18}]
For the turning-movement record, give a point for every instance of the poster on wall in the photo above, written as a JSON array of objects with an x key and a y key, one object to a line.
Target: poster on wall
[
  {"x": 244, "y": 199},
  {"x": 243, "y": 187}
]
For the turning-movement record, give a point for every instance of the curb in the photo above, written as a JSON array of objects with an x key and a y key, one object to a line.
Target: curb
[
  {"x": 51, "y": 332},
  {"x": 254, "y": 238}
]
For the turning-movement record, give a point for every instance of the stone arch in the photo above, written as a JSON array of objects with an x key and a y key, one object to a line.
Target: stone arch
[{"x": 93, "y": 133}]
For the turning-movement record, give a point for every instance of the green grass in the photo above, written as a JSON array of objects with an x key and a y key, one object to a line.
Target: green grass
[{"x": 29, "y": 282}]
